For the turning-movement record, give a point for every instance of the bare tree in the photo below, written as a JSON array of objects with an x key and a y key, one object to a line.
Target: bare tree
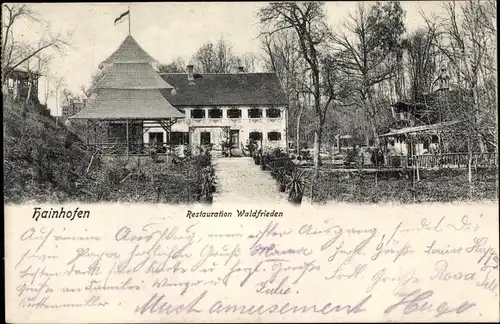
[
  {"x": 248, "y": 61},
  {"x": 36, "y": 66},
  {"x": 215, "y": 58},
  {"x": 421, "y": 61},
  {"x": 59, "y": 84},
  {"x": 370, "y": 44},
  {"x": 467, "y": 40},
  {"x": 177, "y": 66},
  {"x": 15, "y": 53},
  {"x": 307, "y": 20},
  {"x": 87, "y": 91},
  {"x": 282, "y": 56}
]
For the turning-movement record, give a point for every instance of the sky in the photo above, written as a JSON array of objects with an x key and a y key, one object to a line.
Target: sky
[{"x": 164, "y": 30}]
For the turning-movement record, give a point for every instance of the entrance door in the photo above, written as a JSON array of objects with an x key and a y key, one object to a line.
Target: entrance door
[
  {"x": 204, "y": 138},
  {"x": 235, "y": 138}
]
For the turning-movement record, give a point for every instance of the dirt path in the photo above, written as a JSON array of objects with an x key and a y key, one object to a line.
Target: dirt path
[{"x": 239, "y": 180}]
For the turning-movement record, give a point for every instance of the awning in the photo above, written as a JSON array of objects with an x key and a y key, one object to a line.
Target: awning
[{"x": 420, "y": 129}]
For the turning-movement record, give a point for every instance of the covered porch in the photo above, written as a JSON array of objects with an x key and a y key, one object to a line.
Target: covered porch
[
  {"x": 115, "y": 122},
  {"x": 439, "y": 145}
]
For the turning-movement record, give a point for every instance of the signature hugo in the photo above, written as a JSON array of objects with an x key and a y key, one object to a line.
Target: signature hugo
[{"x": 418, "y": 301}]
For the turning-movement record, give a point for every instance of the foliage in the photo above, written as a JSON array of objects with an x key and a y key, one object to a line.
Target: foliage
[
  {"x": 295, "y": 184},
  {"x": 41, "y": 162},
  {"x": 445, "y": 185},
  {"x": 251, "y": 147},
  {"x": 350, "y": 157},
  {"x": 305, "y": 155}
]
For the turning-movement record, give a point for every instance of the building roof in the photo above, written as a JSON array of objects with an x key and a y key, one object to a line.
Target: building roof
[
  {"x": 129, "y": 52},
  {"x": 128, "y": 104},
  {"x": 131, "y": 76},
  {"x": 221, "y": 89},
  {"x": 420, "y": 129}
]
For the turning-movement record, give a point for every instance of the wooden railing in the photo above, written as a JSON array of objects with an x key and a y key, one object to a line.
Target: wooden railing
[{"x": 445, "y": 160}]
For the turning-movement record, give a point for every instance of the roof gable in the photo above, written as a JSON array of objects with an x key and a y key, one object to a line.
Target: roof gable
[{"x": 219, "y": 89}]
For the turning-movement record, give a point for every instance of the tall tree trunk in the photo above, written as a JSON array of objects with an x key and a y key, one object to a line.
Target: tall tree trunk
[
  {"x": 469, "y": 165},
  {"x": 482, "y": 145},
  {"x": 373, "y": 124},
  {"x": 30, "y": 82},
  {"x": 319, "y": 125},
  {"x": 301, "y": 109},
  {"x": 317, "y": 146}
]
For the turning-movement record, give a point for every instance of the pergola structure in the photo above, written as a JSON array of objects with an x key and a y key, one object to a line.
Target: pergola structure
[{"x": 126, "y": 102}]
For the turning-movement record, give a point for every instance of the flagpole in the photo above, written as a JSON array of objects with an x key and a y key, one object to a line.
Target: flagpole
[{"x": 129, "y": 19}]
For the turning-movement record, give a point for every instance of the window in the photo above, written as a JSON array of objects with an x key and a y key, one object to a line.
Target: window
[
  {"x": 182, "y": 110},
  {"x": 204, "y": 138},
  {"x": 255, "y": 113},
  {"x": 215, "y": 113},
  {"x": 179, "y": 138},
  {"x": 255, "y": 136},
  {"x": 273, "y": 113},
  {"x": 274, "y": 136},
  {"x": 234, "y": 113},
  {"x": 198, "y": 113},
  {"x": 155, "y": 137}
]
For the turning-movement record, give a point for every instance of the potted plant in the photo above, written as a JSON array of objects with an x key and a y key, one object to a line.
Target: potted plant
[
  {"x": 207, "y": 185},
  {"x": 281, "y": 178},
  {"x": 226, "y": 148},
  {"x": 265, "y": 160},
  {"x": 258, "y": 157},
  {"x": 251, "y": 148},
  {"x": 295, "y": 186}
]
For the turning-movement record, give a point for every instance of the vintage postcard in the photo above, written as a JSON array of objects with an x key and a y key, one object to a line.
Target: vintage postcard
[{"x": 251, "y": 162}]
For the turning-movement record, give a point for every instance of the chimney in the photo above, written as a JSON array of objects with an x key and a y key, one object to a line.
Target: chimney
[
  {"x": 190, "y": 72},
  {"x": 240, "y": 69}
]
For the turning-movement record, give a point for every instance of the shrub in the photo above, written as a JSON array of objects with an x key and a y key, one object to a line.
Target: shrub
[
  {"x": 350, "y": 157},
  {"x": 295, "y": 185}
]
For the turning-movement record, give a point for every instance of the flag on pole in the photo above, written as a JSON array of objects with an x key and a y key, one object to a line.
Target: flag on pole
[{"x": 119, "y": 19}]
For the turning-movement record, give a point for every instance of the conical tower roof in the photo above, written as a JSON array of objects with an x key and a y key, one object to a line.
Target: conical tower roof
[
  {"x": 128, "y": 104},
  {"x": 131, "y": 76},
  {"x": 129, "y": 88},
  {"x": 129, "y": 52}
]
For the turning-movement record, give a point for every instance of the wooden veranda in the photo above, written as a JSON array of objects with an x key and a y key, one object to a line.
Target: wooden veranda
[{"x": 126, "y": 136}]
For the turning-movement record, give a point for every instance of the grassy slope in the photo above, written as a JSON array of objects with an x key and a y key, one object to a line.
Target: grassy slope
[
  {"x": 45, "y": 163},
  {"x": 42, "y": 162}
]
